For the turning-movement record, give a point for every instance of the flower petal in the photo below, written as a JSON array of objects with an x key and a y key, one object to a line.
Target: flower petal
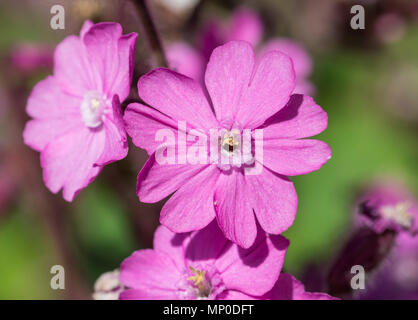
[
  {"x": 294, "y": 157},
  {"x": 177, "y": 96},
  {"x": 270, "y": 88},
  {"x": 101, "y": 42},
  {"x": 157, "y": 181},
  {"x": 233, "y": 209},
  {"x": 228, "y": 74},
  {"x": 245, "y": 25},
  {"x": 126, "y": 49},
  {"x": 234, "y": 295},
  {"x": 253, "y": 271},
  {"x": 288, "y": 288},
  {"x": 207, "y": 244},
  {"x": 152, "y": 274},
  {"x": 191, "y": 207},
  {"x": 72, "y": 69},
  {"x": 186, "y": 60},
  {"x": 172, "y": 244},
  {"x": 142, "y": 124},
  {"x": 68, "y": 161},
  {"x": 300, "y": 118},
  {"x": 274, "y": 200},
  {"x": 116, "y": 144},
  {"x": 301, "y": 60}
]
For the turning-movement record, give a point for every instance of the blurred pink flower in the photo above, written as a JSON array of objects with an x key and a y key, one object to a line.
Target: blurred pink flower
[
  {"x": 202, "y": 265},
  {"x": 77, "y": 121},
  {"x": 244, "y": 95},
  {"x": 27, "y": 57},
  {"x": 388, "y": 205},
  {"x": 245, "y": 25}
]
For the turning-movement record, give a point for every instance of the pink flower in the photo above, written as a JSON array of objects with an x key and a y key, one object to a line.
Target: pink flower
[
  {"x": 387, "y": 204},
  {"x": 245, "y": 25},
  {"x": 202, "y": 265},
  {"x": 28, "y": 57},
  {"x": 244, "y": 95},
  {"x": 77, "y": 122}
]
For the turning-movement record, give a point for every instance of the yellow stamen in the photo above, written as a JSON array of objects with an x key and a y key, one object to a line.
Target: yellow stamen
[{"x": 198, "y": 278}]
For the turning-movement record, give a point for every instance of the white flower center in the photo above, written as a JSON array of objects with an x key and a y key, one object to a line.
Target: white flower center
[
  {"x": 399, "y": 213},
  {"x": 93, "y": 109}
]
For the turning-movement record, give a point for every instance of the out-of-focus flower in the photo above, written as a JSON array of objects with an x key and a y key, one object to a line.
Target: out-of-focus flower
[
  {"x": 390, "y": 27},
  {"x": 385, "y": 244},
  {"x": 202, "y": 265},
  {"x": 244, "y": 25},
  {"x": 29, "y": 57},
  {"x": 388, "y": 205},
  {"x": 301, "y": 62},
  {"x": 108, "y": 286},
  {"x": 77, "y": 122},
  {"x": 245, "y": 96}
]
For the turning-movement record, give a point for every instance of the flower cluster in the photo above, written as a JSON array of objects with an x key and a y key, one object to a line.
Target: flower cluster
[{"x": 220, "y": 237}]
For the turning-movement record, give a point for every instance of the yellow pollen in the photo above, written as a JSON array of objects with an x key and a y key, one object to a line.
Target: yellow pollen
[{"x": 198, "y": 278}]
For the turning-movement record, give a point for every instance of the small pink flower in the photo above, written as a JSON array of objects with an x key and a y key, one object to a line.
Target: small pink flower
[
  {"x": 202, "y": 265},
  {"x": 28, "y": 57},
  {"x": 77, "y": 122},
  {"x": 244, "y": 95}
]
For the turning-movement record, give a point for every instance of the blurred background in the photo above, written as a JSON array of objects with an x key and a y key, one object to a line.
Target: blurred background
[{"x": 366, "y": 80}]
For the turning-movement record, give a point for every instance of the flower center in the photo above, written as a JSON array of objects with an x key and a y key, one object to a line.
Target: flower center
[
  {"x": 93, "y": 108},
  {"x": 230, "y": 142},
  {"x": 202, "y": 285},
  {"x": 399, "y": 213}
]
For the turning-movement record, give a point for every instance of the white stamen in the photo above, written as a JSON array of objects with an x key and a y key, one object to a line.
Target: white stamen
[{"x": 93, "y": 107}]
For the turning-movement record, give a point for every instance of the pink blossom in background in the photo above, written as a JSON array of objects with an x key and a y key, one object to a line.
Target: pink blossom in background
[
  {"x": 245, "y": 25},
  {"x": 27, "y": 57},
  {"x": 244, "y": 95},
  {"x": 387, "y": 204},
  {"x": 202, "y": 265},
  {"x": 77, "y": 122}
]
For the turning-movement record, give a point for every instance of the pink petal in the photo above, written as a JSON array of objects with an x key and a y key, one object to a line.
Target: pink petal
[
  {"x": 301, "y": 60},
  {"x": 101, "y": 42},
  {"x": 253, "y": 271},
  {"x": 177, "y": 96},
  {"x": 294, "y": 157},
  {"x": 300, "y": 118},
  {"x": 184, "y": 59},
  {"x": 207, "y": 244},
  {"x": 122, "y": 82},
  {"x": 68, "y": 161},
  {"x": 116, "y": 144},
  {"x": 72, "y": 69},
  {"x": 272, "y": 84},
  {"x": 274, "y": 200},
  {"x": 172, "y": 244},
  {"x": 47, "y": 100},
  {"x": 54, "y": 113},
  {"x": 233, "y": 209},
  {"x": 245, "y": 25},
  {"x": 85, "y": 28},
  {"x": 288, "y": 288},
  {"x": 152, "y": 274},
  {"x": 227, "y": 76},
  {"x": 157, "y": 181},
  {"x": 142, "y": 124},
  {"x": 234, "y": 295},
  {"x": 191, "y": 207}
]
